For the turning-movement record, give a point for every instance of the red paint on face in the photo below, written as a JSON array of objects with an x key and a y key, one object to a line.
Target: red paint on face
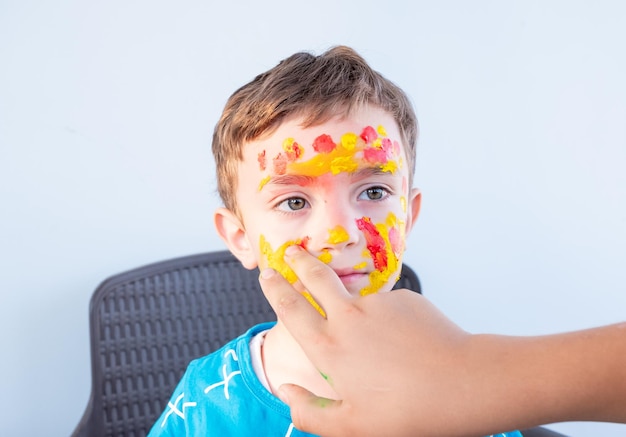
[
  {"x": 293, "y": 152},
  {"x": 395, "y": 241},
  {"x": 369, "y": 134},
  {"x": 375, "y": 243},
  {"x": 303, "y": 243},
  {"x": 375, "y": 155},
  {"x": 324, "y": 144},
  {"x": 262, "y": 161}
]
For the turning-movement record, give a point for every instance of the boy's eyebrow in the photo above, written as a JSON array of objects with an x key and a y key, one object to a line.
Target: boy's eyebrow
[
  {"x": 302, "y": 180},
  {"x": 370, "y": 171},
  {"x": 290, "y": 179}
]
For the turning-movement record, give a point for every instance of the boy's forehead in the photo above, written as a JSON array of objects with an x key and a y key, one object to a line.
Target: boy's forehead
[
  {"x": 369, "y": 137},
  {"x": 278, "y": 161},
  {"x": 335, "y": 127}
]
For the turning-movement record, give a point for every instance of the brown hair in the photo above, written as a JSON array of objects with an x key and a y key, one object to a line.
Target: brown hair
[{"x": 316, "y": 88}]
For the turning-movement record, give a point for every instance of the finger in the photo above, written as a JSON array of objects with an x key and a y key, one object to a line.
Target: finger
[
  {"x": 310, "y": 413},
  {"x": 299, "y": 316},
  {"x": 317, "y": 278}
]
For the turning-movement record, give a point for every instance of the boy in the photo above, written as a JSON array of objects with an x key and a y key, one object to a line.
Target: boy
[{"x": 318, "y": 152}]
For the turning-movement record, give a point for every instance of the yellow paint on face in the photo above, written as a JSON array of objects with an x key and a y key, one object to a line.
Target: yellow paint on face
[
  {"x": 293, "y": 149},
  {"x": 265, "y": 180},
  {"x": 348, "y": 140},
  {"x": 325, "y": 256},
  {"x": 338, "y": 235},
  {"x": 390, "y": 166},
  {"x": 347, "y": 156},
  {"x": 361, "y": 265},
  {"x": 337, "y": 161},
  {"x": 403, "y": 203},
  {"x": 276, "y": 260}
]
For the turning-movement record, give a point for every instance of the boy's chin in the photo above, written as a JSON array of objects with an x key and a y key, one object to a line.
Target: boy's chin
[{"x": 366, "y": 287}]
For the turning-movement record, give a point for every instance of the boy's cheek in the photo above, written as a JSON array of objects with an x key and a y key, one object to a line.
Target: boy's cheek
[
  {"x": 385, "y": 245},
  {"x": 273, "y": 256}
]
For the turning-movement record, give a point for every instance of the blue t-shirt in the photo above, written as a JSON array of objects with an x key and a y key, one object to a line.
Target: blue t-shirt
[{"x": 221, "y": 395}]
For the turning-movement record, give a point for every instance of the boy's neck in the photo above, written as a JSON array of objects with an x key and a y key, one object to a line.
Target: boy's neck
[{"x": 284, "y": 361}]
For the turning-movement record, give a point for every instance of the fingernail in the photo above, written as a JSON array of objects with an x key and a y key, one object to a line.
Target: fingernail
[
  {"x": 292, "y": 250},
  {"x": 267, "y": 273},
  {"x": 283, "y": 394}
]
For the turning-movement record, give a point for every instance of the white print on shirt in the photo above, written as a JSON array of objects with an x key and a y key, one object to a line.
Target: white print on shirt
[
  {"x": 227, "y": 378},
  {"x": 174, "y": 408},
  {"x": 289, "y": 430}
]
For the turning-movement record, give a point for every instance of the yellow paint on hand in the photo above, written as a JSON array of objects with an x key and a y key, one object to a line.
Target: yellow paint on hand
[
  {"x": 276, "y": 260},
  {"x": 317, "y": 306}
]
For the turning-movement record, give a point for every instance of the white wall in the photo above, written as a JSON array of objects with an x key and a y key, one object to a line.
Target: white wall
[{"x": 106, "y": 112}]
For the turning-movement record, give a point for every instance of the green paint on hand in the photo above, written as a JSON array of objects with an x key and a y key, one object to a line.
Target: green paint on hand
[
  {"x": 327, "y": 378},
  {"x": 323, "y": 402}
]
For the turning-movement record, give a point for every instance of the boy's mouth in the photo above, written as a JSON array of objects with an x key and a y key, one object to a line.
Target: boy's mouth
[{"x": 350, "y": 276}]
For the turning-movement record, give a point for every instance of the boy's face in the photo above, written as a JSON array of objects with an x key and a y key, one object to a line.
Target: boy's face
[{"x": 339, "y": 189}]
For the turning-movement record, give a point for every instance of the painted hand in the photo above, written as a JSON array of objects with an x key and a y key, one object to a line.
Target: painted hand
[{"x": 367, "y": 349}]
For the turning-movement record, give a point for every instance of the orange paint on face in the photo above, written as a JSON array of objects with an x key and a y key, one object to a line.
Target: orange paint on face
[
  {"x": 280, "y": 164},
  {"x": 262, "y": 160},
  {"x": 292, "y": 149},
  {"x": 349, "y": 153},
  {"x": 371, "y": 147},
  {"x": 276, "y": 260}
]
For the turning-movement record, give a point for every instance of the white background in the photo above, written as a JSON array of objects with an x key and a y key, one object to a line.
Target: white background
[{"x": 106, "y": 114}]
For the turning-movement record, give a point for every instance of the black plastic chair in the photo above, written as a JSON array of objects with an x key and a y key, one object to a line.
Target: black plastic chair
[{"x": 147, "y": 324}]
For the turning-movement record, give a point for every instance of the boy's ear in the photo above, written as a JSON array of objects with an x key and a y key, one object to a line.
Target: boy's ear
[
  {"x": 414, "y": 204},
  {"x": 232, "y": 231}
]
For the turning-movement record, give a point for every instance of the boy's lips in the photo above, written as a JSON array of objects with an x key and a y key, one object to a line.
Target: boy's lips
[{"x": 349, "y": 276}]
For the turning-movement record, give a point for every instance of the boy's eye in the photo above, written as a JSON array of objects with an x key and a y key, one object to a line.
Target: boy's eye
[
  {"x": 293, "y": 203},
  {"x": 375, "y": 193}
]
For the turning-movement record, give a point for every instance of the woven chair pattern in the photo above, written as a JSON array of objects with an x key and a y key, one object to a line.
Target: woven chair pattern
[{"x": 147, "y": 324}]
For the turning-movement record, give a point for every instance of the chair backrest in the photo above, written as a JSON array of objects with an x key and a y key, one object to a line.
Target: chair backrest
[{"x": 147, "y": 324}]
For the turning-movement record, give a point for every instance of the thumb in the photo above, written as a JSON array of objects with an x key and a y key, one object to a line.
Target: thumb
[{"x": 310, "y": 413}]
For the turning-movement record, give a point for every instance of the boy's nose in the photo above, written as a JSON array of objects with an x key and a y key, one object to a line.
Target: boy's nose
[{"x": 338, "y": 228}]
